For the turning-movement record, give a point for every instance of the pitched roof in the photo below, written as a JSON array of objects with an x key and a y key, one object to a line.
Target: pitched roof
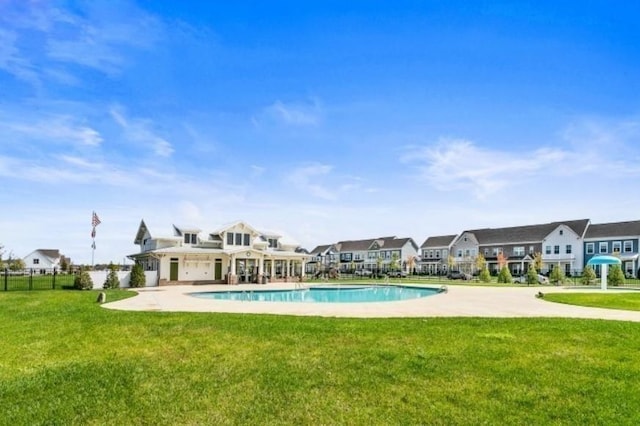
[
  {"x": 396, "y": 243},
  {"x": 50, "y": 253},
  {"x": 439, "y": 241},
  {"x": 321, "y": 249},
  {"x": 527, "y": 233},
  {"x": 614, "y": 229},
  {"x": 355, "y": 245}
]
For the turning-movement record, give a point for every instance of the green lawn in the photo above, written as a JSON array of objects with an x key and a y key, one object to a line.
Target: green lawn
[
  {"x": 65, "y": 360},
  {"x": 629, "y": 301}
]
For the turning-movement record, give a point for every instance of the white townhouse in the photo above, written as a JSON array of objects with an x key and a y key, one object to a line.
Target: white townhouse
[
  {"x": 235, "y": 253},
  {"x": 44, "y": 260}
]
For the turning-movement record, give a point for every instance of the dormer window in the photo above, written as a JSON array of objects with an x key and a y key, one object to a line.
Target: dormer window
[
  {"x": 273, "y": 243},
  {"x": 190, "y": 238}
]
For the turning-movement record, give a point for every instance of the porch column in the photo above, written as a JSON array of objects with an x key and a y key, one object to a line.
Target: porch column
[
  {"x": 232, "y": 278},
  {"x": 288, "y": 268},
  {"x": 260, "y": 269},
  {"x": 304, "y": 269}
]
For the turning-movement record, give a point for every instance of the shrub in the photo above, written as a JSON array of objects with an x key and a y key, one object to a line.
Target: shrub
[
  {"x": 137, "y": 276},
  {"x": 504, "y": 276},
  {"x": 588, "y": 276},
  {"x": 83, "y": 280},
  {"x": 484, "y": 276},
  {"x": 112, "y": 280},
  {"x": 556, "y": 276},
  {"x": 615, "y": 275}
]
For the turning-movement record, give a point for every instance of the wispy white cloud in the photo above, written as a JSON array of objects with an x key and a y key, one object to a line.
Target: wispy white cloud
[
  {"x": 57, "y": 128},
  {"x": 586, "y": 146},
  {"x": 455, "y": 164},
  {"x": 308, "y": 179},
  {"x": 141, "y": 131},
  {"x": 94, "y": 35},
  {"x": 12, "y": 61},
  {"x": 291, "y": 114}
]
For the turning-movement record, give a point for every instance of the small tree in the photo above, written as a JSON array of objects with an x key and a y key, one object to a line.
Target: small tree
[
  {"x": 481, "y": 262},
  {"x": 484, "y": 276},
  {"x": 504, "y": 276},
  {"x": 537, "y": 261},
  {"x": 411, "y": 263},
  {"x": 137, "y": 276},
  {"x": 17, "y": 265},
  {"x": 83, "y": 280},
  {"x": 588, "y": 276},
  {"x": 556, "y": 277},
  {"x": 532, "y": 275},
  {"x": 112, "y": 280},
  {"x": 615, "y": 275},
  {"x": 393, "y": 265},
  {"x": 64, "y": 265},
  {"x": 378, "y": 263}
]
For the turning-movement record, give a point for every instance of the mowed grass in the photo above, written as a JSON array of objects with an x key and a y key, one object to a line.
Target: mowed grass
[
  {"x": 65, "y": 360},
  {"x": 629, "y": 301}
]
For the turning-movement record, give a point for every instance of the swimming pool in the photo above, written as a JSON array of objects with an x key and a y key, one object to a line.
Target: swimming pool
[{"x": 333, "y": 294}]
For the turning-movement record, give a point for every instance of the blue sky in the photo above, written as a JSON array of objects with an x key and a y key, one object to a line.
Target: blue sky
[{"x": 323, "y": 120}]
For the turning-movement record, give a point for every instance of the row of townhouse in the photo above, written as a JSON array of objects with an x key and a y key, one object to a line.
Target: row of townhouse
[
  {"x": 567, "y": 244},
  {"x": 374, "y": 254}
]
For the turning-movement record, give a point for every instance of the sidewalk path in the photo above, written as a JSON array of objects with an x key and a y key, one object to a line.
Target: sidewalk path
[{"x": 459, "y": 301}]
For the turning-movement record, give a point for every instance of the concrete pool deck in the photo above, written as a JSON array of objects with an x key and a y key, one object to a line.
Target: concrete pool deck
[{"x": 458, "y": 301}]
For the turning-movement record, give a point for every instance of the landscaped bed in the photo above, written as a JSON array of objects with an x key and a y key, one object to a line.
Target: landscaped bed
[{"x": 65, "y": 360}]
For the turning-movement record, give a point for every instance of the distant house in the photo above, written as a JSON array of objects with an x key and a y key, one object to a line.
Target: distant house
[
  {"x": 373, "y": 254},
  {"x": 43, "y": 261},
  {"x": 235, "y": 253},
  {"x": 620, "y": 239}
]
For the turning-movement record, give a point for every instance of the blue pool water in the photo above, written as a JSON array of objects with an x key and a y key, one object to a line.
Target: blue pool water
[{"x": 337, "y": 294}]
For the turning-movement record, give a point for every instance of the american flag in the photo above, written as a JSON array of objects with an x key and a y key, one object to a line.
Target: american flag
[{"x": 95, "y": 221}]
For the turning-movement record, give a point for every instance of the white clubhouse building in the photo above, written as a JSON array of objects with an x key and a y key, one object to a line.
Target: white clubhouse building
[{"x": 235, "y": 253}]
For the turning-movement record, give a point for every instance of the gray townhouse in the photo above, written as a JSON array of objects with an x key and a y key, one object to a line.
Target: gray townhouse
[
  {"x": 560, "y": 245},
  {"x": 620, "y": 239},
  {"x": 434, "y": 254}
]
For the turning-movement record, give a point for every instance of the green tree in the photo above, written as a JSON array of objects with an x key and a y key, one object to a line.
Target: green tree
[
  {"x": 112, "y": 280},
  {"x": 504, "y": 276},
  {"x": 588, "y": 276},
  {"x": 451, "y": 261},
  {"x": 64, "y": 265},
  {"x": 484, "y": 276},
  {"x": 615, "y": 276},
  {"x": 83, "y": 280},
  {"x": 481, "y": 262},
  {"x": 556, "y": 277},
  {"x": 393, "y": 265},
  {"x": 378, "y": 263},
  {"x": 17, "y": 265},
  {"x": 532, "y": 275},
  {"x": 1, "y": 253},
  {"x": 137, "y": 276}
]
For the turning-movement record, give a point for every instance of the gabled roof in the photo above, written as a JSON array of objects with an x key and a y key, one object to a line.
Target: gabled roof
[
  {"x": 397, "y": 243},
  {"x": 234, "y": 224},
  {"x": 321, "y": 249},
  {"x": 355, "y": 245},
  {"x": 50, "y": 253},
  {"x": 439, "y": 241},
  {"x": 179, "y": 231},
  {"x": 614, "y": 229},
  {"x": 525, "y": 234}
]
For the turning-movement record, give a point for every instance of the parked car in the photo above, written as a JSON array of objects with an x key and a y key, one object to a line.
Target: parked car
[
  {"x": 397, "y": 274},
  {"x": 542, "y": 279},
  {"x": 363, "y": 273},
  {"x": 522, "y": 279},
  {"x": 455, "y": 275}
]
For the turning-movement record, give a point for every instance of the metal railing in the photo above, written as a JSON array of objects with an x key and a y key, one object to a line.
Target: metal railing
[{"x": 34, "y": 279}]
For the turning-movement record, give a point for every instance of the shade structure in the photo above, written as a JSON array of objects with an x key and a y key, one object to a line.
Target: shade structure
[{"x": 604, "y": 262}]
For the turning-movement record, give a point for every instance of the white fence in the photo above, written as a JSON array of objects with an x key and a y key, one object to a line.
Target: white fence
[{"x": 99, "y": 277}]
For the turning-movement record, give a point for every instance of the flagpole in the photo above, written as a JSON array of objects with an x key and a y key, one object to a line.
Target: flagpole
[{"x": 95, "y": 221}]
